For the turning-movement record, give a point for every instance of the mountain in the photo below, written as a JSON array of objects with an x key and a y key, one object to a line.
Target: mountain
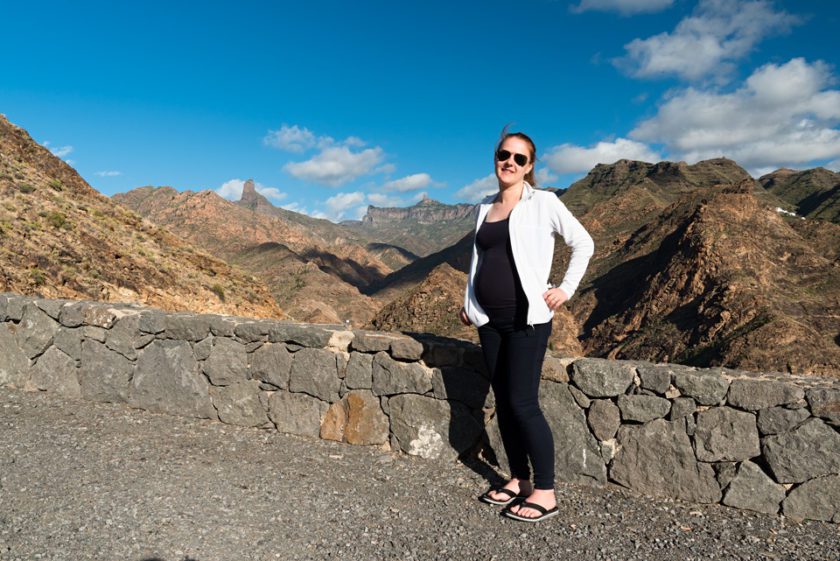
[
  {"x": 693, "y": 264},
  {"x": 422, "y": 229},
  {"x": 303, "y": 260},
  {"x": 63, "y": 239},
  {"x": 814, "y": 193}
]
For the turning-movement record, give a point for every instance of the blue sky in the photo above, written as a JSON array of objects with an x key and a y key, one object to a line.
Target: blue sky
[{"x": 330, "y": 105}]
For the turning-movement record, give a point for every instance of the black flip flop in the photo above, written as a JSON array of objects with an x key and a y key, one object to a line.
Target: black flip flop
[
  {"x": 486, "y": 498},
  {"x": 525, "y": 504}
]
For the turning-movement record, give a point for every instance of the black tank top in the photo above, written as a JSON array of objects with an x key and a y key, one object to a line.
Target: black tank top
[{"x": 497, "y": 285}]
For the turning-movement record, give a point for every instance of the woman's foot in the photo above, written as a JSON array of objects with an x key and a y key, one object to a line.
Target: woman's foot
[
  {"x": 521, "y": 487},
  {"x": 543, "y": 497}
]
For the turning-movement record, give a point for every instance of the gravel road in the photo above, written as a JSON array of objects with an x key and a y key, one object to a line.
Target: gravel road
[{"x": 83, "y": 480}]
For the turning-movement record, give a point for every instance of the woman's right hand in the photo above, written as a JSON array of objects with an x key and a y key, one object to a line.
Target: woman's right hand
[{"x": 462, "y": 315}]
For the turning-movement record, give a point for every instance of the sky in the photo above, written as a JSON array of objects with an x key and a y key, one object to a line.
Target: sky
[{"x": 331, "y": 106}]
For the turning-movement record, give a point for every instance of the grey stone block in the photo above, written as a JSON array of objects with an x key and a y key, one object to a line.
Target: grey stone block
[
  {"x": 122, "y": 335},
  {"x": 201, "y": 349},
  {"x": 780, "y": 419},
  {"x": 604, "y": 419},
  {"x": 725, "y": 472},
  {"x": 657, "y": 458},
  {"x": 95, "y": 333},
  {"x": 11, "y": 307},
  {"x": 72, "y": 314},
  {"x": 50, "y": 307},
  {"x": 580, "y": 397},
  {"x": 406, "y": 348},
  {"x": 296, "y": 413},
  {"x": 227, "y": 363},
  {"x": 393, "y": 377},
  {"x": 808, "y": 451},
  {"x": 35, "y": 331},
  {"x": 370, "y": 341},
  {"x": 598, "y": 377},
  {"x": 14, "y": 364},
  {"x": 825, "y": 403},
  {"x": 55, "y": 372},
  {"x": 304, "y": 335},
  {"x": 314, "y": 371},
  {"x": 186, "y": 327},
  {"x": 642, "y": 408},
  {"x": 359, "y": 371},
  {"x": 253, "y": 331},
  {"x": 681, "y": 407},
  {"x": 726, "y": 434},
  {"x": 239, "y": 404},
  {"x": 222, "y": 326},
  {"x": 272, "y": 364},
  {"x": 167, "y": 380},
  {"x": 655, "y": 377},
  {"x": 99, "y": 314},
  {"x": 152, "y": 321},
  {"x": 69, "y": 341},
  {"x": 752, "y": 489},
  {"x": 707, "y": 387},
  {"x": 104, "y": 375},
  {"x": 753, "y": 395},
  {"x": 431, "y": 428},
  {"x": 817, "y": 499}
]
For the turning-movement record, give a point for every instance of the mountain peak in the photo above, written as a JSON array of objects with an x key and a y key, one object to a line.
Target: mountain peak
[{"x": 253, "y": 200}]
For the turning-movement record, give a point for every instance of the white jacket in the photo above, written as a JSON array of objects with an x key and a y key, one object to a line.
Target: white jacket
[{"x": 532, "y": 224}]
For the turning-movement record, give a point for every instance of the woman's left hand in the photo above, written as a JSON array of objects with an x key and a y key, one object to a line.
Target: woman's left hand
[{"x": 554, "y": 298}]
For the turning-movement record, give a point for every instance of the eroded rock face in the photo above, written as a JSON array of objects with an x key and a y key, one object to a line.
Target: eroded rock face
[
  {"x": 808, "y": 451},
  {"x": 14, "y": 366},
  {"x": 642, "y": 408},
  {"x": 657, "y": 458},
  {"x": 725, "y": 434},
  {"x": 761, "y": 394},
  {"x": 430, "y": 428},
  {"x": 227, "y": 363},
  {"x": 706, "y": 387},
  {"x": 272, "y": 364},
  {"x": 366, "y": 422},
  {"x": 315, "y": 371},
  {"x": 239, "y": 404},
  {"x": 56, "y": 371},
  {"x": 817, "y": 499},
  {"x": 296, "y": 413},
  {"x": 394, "y": 377},
  {"x": 104, "y": 374},
  {"x": 602, "y": 378},
  {"x": 752, "y": 489},
  {"x": 167, "y": 380}
]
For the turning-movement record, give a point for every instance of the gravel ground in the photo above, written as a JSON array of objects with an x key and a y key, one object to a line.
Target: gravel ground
[{"x": 83, "y": 480}]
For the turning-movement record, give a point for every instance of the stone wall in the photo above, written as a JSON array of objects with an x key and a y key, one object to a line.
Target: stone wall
[{"x": 760, "y": 441}]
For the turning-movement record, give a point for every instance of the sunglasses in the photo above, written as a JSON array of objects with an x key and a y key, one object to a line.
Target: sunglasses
[{"x": 504, "y": 155}]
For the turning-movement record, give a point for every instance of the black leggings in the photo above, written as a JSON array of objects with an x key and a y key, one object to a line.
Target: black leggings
[{"x": 514, "y": 355}]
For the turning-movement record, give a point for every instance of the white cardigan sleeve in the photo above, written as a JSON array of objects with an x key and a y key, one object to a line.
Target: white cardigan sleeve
[{"x": 576, "y": 237}]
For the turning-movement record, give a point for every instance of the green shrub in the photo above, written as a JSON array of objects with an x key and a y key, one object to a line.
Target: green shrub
[
  {"x": 56, "y": 184},
  {"x": 25, "y": 188},
  {"x": 38, "y": 276},
  {"x": 218, "y": 291},
  {"x": 57, "y": 220}
]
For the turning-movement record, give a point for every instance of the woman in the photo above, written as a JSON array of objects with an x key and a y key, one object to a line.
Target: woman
[{"x": 509, "y": 299}]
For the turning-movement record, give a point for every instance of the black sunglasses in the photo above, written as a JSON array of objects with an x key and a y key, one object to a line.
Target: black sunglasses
[{"x": 504, "y": 155}]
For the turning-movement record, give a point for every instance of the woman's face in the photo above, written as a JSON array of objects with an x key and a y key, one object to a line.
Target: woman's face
[{"x": 508, "y": 171}]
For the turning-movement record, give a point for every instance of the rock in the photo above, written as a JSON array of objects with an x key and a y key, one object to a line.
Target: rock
[
  {"x": 808, "y": 451},
  {"x": 681, "y": 407},
  {"x": 340, "y": 341},
  {"x": 657, "y": 458},
  {"x": 69, "y": 341},
  {"x": 55, "y": 372},
  {"x": 642, "y": 408},
  {"x": 393, "y": 377},
  {"x": 371, "y": 341},
  {"x": 462, "y": 384},
  {"x": 752, "y": 489},
  {"x": 94, "y": 333},
  {"x": 121, "y": 336},
  {"x": 72, "y": 314},
  {"x": 609, "y": 448},
  {"x": 335, "y": 421},
  {"x": 35, "y": 331},
  {"x": 598, "y": 377},
  {"x": 167, "y": 380},
  {"x": 707, "y": 387},
  {"x": 305, "y": 335},
  {"x": 825, "y": 403},
  {"x": 753, "y": 395},
  {"x": 152, "y": 321},
  {"x": 431, "y": 428},
  {"x": 604, "y": 419},
  {"x": 252, "y": 331},
  {"x": 580, "y": 397},
  {"x": 227, "y": 363},
  {"x": 222, "y": 326},
  {"x": 11, "y": 307},
  {"x": 655, "y": 377},
  {"x": 202, "y": 348},
  {"x": 359, "y": 371},
  {"x": 726, "y": 434},
  {"x": 779, "y": 419},
  {"x": 366, "y": 423},
  {"x": 405, "y": 348},
  {"x": 239, "y": 404},
  {"x": 725, "y": 472},
  {"x": 817, "y": 499},
  {"x": 186, "y": 327},
  {"x": 442, "y": 354},
  {"x": 554, "y": 369},
  {"x": 577, "y": 454},
  {"x": 315, "y": 371},
  {"x": 50, "y": 307},
  {"x": 296, "y": 413},
  {"x": 100, "y": 314},
  {"x": 272, "y": 363},
  {"x": 103, "y": 374},
  {"x": 14, "y": 364}
]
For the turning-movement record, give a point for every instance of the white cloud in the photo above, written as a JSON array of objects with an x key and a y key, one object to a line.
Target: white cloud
[
  {"x": 108, "y": 173},
  {"x": 783, "y": 115},
  {"x": 232, "y": 190},
  {"x": 60, "y": 151},
  {"x": 410, "y": 183},
  {"x": 624, "y": 7},
  {"x": 478, "y": 189},
  {"x": 291, "y": 139},
  {"x": 833, "y": 166},
  {"x": 708, "y": 42},
  {"x": 336, "y": 165},
  {"x": 341, "y": 206},
  {"x": 394, "y": 201},
  {"x": 569, "y": 158},
  {"x": 544, "y": 176}
]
